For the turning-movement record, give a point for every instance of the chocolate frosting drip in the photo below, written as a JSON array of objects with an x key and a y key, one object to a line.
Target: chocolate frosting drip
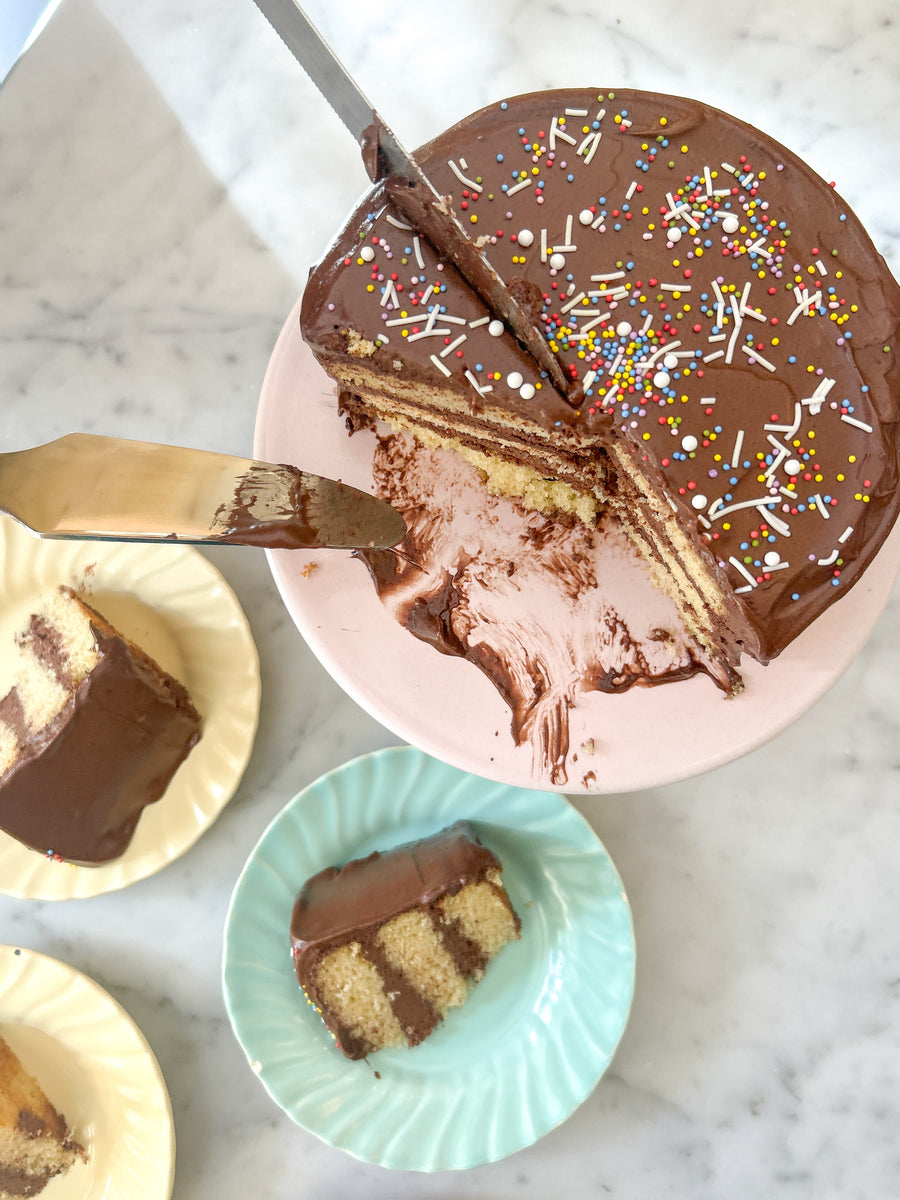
[
  {"x": 79, "y": 788},
  {"x": 733, "y": 327},
  {"x": 353, "y": 902}
]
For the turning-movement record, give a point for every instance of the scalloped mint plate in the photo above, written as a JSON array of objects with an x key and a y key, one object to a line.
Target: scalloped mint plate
[{"x": 535, "y": 1035}]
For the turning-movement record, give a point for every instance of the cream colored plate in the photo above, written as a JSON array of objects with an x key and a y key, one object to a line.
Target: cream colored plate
[
  {"x": 176, "y": 605},
  {"x": 97, "y": 1069}
]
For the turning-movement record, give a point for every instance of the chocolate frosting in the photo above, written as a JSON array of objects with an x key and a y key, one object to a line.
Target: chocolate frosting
[
  {"x": 731, "y": 324},
  {"x": 79, "y": 788}
]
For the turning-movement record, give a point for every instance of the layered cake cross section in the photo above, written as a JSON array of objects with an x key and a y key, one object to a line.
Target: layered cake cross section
[{"x": 386, "y": 945}]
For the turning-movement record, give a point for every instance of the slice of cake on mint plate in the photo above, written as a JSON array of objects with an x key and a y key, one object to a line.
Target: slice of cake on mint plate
[
  {"x": 92, "y": 730},
  {"x": 386, "y": 945},
  {"x": 728, "y": 327}
]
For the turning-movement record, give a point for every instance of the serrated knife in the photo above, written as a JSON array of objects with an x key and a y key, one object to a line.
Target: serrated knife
[{"x": 407, "y": 186}]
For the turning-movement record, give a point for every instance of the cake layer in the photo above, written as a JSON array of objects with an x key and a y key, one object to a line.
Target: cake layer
[
  {"x": 731, "y": 324},
  {"x": 91, "y": 732},
  {"x": 36, "y": 1143},
  {"x": 384, "y": 946}
]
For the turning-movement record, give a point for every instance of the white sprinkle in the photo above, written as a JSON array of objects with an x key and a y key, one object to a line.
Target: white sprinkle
[
  {"x": 515, "y": 380},
  {"x": 647, "y": 323},
  {"x": 418, "y": 251},
  {"x": 389, "y": 295},
  {"x": 720, "y": 509},
  {"x": 730, "y": 224},
  {"x": 859, "y": 424},
  {"x": 755, "y": 356},
  {"x": 589, "y": 379},
  {"x": 708, "y": 179},
  {"x": 690, "y": 443},
  {"x": 787, "y": 430},
  {"x": 729, "y": 167},
  {"x": 674, "y": 234},
  {"x": 576, "y": 112},
  {"x": 526, "y": 391},
  {"x": 588, "y": 147},
  {"x": 557, "y": 261},
  {"x": 463, "y": 178},
  {"x": 623, "y": 329},
  {"x": 525, "y": 237},
  {"x": 383, "y": 338},
  {"x": 632, "y": 188},
  {"x": 674, "y": 287},
  {"x": 738, "y": 448},
  {"x": 585, "y": 216},
  {"x": 585, "y": 329},
  {"x": 793, "y": 467},
  {"x": 496, "y": 328},
  {"x": 708, "y": 400},
  {"x": 440, "y": 366},
  {"x": 447, "y": 349},
  {"x": 771, "y": 558},
  {"x": 426, "y": 294},
  {"x": 754, "y": 313},
  {"x": 775, "y": 522},
  {"x": 821, "y": 506},
  {"x": 606, "y": 278},
  {"x": 698, "y": 500},
  {"x": 712, "y": 357},
  {"x": 397, "y": 224},
  {"x": 474, "y": 382},
  {"x": 670, "y": 360},
  {"x": 845, "y": 534},
  {"x": 428, "y": 332},
  {"x": 661, "y": 379},
  {"x": 717, "y": 337},
  {"x": 570, "y": 220},
  {"x": 454, "y": 320},
  {"x": 804, "y": 305},
  {"x": 367, "y": 253},
  {"x": 820, "y": 267},
  {"x": 571, "y": 303},
  {"x": 543, "y": 245},
  {"x": 738, "y": 322},
  {"x": 832, "y": 557},
  {"x": 816, "y": 400},
  {"x": 739, "y": 566},
  {"x": 517, "y": 187},
  {"x": 404, "y": 320},
  {"x": 480, "y": 321},
  {"x": 557, "y": 132}
]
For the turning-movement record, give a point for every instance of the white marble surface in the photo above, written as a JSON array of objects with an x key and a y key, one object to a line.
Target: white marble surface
[{"x": 167, "y": 174}]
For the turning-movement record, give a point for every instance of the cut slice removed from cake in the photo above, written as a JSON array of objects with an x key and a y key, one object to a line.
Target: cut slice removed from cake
[
  {"x": 36, "y": 1143},
  {"x": 386, "y": 945},
  {"x": 92, "y": 730}
]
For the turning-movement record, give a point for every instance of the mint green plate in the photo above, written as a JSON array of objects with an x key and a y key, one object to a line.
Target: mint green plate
[{"x": 534, "y": 1036}]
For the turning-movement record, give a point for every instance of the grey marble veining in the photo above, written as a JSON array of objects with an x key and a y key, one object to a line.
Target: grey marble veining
[{"x": 167, "y": 176}]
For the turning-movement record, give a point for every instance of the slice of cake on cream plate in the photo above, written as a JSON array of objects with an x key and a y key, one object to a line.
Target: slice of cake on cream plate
[{"x": 92, "y": 730}]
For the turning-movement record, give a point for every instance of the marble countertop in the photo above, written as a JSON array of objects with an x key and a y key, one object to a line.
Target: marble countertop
[{"x": 167, "y": 175}]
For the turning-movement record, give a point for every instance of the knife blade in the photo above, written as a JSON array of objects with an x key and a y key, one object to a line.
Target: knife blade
[
  {"x": 113, "y": 489},
  {"x": 408, "y": 187},
  {"x": 22, "y": 23}
]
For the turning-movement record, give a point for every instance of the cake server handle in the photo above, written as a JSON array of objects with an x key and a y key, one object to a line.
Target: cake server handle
[
  {"x": 409, "y": 187},
  {"x": 114, "y": 489}
]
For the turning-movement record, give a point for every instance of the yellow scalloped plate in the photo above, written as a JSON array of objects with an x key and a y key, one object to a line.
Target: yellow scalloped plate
[
  {"x": 174, "y": 603},
  {"x": 97, "y": 1068}
]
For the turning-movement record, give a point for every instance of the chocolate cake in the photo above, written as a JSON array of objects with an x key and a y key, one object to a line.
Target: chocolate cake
[
  {"x": 727, "y": 328},
  {"x": 36, "y": 1143},
  {"x": 91, "y": 731},
  {"x": 384, "y": 946}
]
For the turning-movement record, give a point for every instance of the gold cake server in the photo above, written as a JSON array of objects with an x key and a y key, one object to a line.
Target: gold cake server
[{"x": 114, "y": 489}]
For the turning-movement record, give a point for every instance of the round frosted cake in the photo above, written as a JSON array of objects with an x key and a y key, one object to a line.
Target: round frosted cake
[{"x": 728, "y": 328}]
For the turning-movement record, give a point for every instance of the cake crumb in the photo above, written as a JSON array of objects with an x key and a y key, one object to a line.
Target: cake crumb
[{"x": 357, "y": 345}]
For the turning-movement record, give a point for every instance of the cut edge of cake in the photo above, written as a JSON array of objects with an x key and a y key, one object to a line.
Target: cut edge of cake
[{"x": 36, "y": 1143}]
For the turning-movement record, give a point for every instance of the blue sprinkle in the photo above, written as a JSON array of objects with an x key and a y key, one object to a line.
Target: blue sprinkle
[{"x": 499, "y": 158}]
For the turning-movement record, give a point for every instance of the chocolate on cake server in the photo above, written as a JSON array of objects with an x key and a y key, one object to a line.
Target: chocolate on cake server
[
  {"x": 409, "y": 188},
  {"x": 112, "y": 489}
]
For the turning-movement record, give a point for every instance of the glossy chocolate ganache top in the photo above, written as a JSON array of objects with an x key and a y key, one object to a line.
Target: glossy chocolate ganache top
[{"x": 727, "y": 315}]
